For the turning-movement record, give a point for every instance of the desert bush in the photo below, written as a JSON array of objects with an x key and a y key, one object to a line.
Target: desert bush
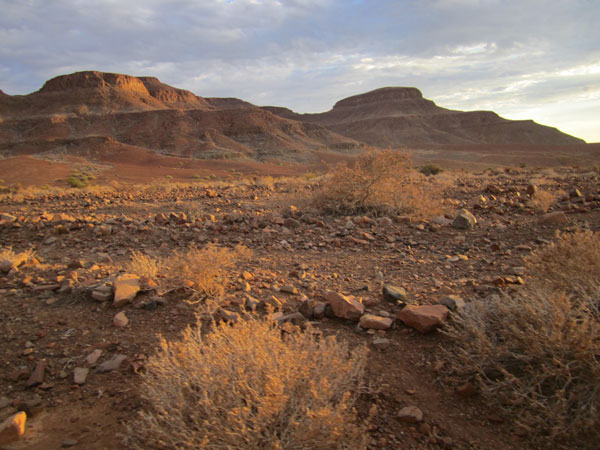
[
  {"x": 430, "y": 169},
  {"x": 535, "y": 353},
  {"x": 204, "y": 270},
  {"x": 77, "y": 181},
  {"x": 542, "y": 200},
  {"x": 248, "y": 386},
  {"x": 570, "y": 264},
  {"x": 378, "y": 183},
  {"x": 143, "y": 265}
]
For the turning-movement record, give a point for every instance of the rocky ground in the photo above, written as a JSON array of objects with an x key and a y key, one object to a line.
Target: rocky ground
[{"x": 77, "y": 332}]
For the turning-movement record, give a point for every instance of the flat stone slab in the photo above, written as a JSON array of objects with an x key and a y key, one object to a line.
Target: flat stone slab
[{"x": 125, "y": 288}]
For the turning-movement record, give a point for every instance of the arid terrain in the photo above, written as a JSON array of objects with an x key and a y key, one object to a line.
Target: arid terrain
[
  {"x": 58, "y": 317},
  {"x": 109, "y": 183}
]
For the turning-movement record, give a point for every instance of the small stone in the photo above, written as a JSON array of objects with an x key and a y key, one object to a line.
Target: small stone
[
  {"x": 306, "y": 309},
  {"x": 120, "y": 320},
  {"x": 112, "y": 364},
  {"x": 464, "y": 220},
  {"x": 229, "y": 316},
  {"x": 69, "y": 443},
  {"x": 424, "y": 318},
  {"x": 345, "y": 307},
  {"x": 288, "y": 289},
  {"x": 394, "y": 293},
  {"x": 93, "y": 357},
  {"x": 318, "y": 311},
  {"x": 37, "y": 376},
  {"x": 372, "y": 322},
  {"x": 452, "y": 302},
  {"x": 80, "y": 375},
  {"x": 13, "y": 428},
  {"x": 410, "y": 414},
  {"x": 125, "y": 289},
  {"x": 381, "y": 343},
  {"x": 102, "y": 294}
]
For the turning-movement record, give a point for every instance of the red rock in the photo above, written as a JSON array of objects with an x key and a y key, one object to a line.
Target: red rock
[
  {"x": 345, "y": 307},
  {"x": 370, "y": 321},
  {"x": 13, "y": 428},
  {"x": 424, "y": 318}
]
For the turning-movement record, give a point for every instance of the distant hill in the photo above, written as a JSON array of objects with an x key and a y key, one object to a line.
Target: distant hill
[
  {"x": 401, "y": 117},
  {"x": 143, "y": 112},
  {"x": 121, "y": 111}
]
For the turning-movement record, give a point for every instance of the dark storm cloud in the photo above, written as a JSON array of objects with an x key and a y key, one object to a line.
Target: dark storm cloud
[{"x": 516, "y": 57}]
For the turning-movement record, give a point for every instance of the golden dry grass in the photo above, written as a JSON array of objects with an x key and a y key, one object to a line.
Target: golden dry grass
[
  {"x": 536, "y": 354},
  {"x": 248, "y": 386}
]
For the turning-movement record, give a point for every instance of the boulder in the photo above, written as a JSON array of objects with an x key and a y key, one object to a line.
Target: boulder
[
  {"x": 345, "y": 307},
  {"x": 464, "y": 220},
  {"x": 424, "y": 318}
]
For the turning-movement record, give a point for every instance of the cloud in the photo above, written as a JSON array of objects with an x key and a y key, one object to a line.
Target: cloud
[{"x": 517, "y": 58}]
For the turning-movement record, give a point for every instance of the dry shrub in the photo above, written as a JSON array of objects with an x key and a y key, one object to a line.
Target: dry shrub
[
  {"x": 248, "y": 386},
  {"x": 204, "y": 269},
  {"x": 143, "y": 265},
  {"x": 570, "y": 264},
  {"x": 542, "y": 200},
  {"x": 536, "y": 353},
  {"x": 378, "y": 183}
]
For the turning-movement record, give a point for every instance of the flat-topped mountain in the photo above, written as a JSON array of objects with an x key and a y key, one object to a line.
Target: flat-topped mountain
[
  {"x": 70, "y": 111},
  {"x": 141, "y": 111},
  {"x": 400, "y": 116}
]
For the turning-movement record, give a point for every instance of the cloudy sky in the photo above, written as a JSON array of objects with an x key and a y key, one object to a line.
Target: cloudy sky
[{"x": 536, "y": 59}]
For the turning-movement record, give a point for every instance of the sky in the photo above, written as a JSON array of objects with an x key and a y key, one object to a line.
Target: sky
[{"x": 524, "y": 59}]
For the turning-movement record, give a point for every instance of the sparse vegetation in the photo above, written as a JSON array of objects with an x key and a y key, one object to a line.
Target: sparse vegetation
[
  {"x": 143, "y": 265},
  {"x": 79, "y": 179},
  {"x": 542, "y": 200},
  {"x": 249, "y": 386},
  {"x": 203, "y": 270},
  {"x": 378, "y": 183},
  {"x": 536, "y": 352},
  {"x": 430, "y": 169}
]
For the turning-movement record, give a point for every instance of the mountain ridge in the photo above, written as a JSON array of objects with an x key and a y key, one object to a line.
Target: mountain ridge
[{"x": 144, "y": 112}]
